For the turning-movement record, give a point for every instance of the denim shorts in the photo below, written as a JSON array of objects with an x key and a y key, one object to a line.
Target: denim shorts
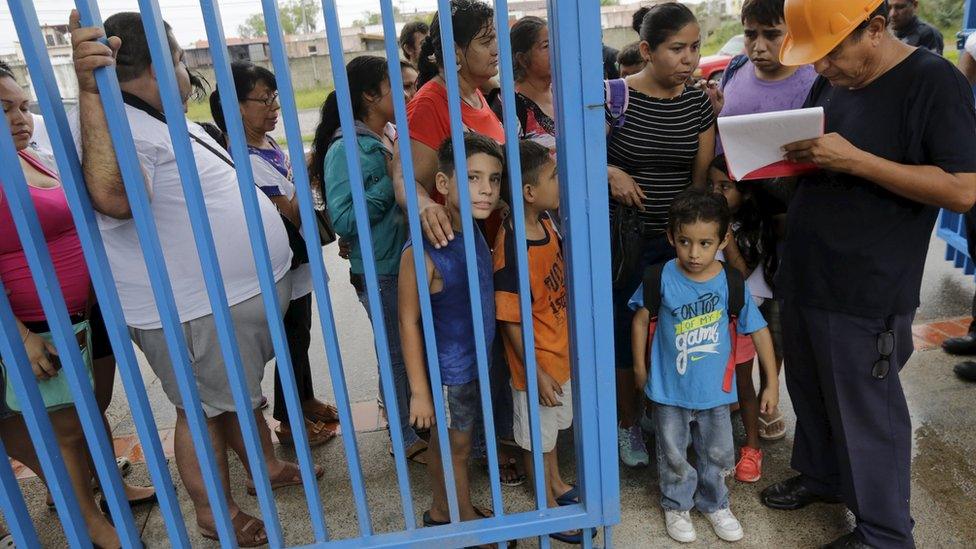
[{"x": 463, "y": 405}]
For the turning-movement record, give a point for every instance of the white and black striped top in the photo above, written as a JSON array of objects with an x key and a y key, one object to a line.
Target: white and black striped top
[{"x": 657, "y": 145}]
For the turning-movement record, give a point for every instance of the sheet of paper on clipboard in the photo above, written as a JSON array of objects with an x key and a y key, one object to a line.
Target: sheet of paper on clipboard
[{"x": 753, "y": 143}]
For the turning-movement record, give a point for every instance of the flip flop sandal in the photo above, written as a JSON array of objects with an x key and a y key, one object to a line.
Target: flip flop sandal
[
  {"x": 282, "y": 480},
  {"x": 519, "y": 478},
  {"x": 412, "y": 456},
  {"x": 125, "y": 466},
  {"x": 327, "y": 413},
  {"x": 318, "y": 434},
  {"x": 766, "y": 434},
  {"x": 430, "y": 523},
  {"x": 246, "y": 529},
  {"x": 572, "y": 539},
  {"x": 570, "y": 497},
  {"x": 133, "y": 503}
]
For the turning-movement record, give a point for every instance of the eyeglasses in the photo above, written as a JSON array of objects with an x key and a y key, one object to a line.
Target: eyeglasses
[
  {"x": 267, "y": 101},
  {"x": 886, "y": 346}
]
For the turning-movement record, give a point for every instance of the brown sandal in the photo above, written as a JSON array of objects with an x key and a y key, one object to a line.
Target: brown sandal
[
  {"x": 318, "y": 434},
  {"x": 290, "y": 475},
  {"x": 322, "y": 412},
  {"x": 246, "y": 529}
]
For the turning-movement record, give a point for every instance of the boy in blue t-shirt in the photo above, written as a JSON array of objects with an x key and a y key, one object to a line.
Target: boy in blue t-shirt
[
  {"x": 450, "y": 303},
  {"x": 690, "y": 384}
]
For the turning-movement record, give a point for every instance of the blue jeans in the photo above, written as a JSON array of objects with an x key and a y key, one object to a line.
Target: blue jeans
[
  {"x": 388, "y": 295},
  {"x": 710, "y": 431}
]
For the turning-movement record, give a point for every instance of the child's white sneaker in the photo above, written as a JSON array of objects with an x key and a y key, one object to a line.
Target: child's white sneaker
[
  {"x": 725, "y": 525},
  {"x": 679, "y": 526}
]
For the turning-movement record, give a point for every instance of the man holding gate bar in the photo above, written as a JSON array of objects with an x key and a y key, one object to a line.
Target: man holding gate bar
[{"x": 128, "y": 50}]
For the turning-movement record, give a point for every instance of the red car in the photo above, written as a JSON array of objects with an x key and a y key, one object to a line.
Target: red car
[{"x": 712, "y": 67}]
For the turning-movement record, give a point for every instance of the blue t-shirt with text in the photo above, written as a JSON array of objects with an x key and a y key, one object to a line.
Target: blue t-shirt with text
[{"x": 691, "y": 346}]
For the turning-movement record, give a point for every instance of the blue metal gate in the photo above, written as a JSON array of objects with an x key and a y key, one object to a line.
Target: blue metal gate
[
  {"x": 577, "y": 73},
  {"x": 951, "y": 226}
]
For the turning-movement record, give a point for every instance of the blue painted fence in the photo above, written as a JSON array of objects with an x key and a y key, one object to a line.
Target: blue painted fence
[
  {"x": 951, "y": 226},
  {"x": 577, "y": 69}
]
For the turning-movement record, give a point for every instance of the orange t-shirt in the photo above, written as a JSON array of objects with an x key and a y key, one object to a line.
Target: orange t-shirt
[
  {"x": 430, "y": 122},
  {"x": 547, "y": 283}
]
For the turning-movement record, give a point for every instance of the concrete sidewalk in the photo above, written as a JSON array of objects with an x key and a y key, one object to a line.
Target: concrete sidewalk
[{"x": 943, "y": 495}]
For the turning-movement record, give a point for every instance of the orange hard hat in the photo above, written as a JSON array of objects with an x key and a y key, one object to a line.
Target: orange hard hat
[{"x": 816, "y": 27}]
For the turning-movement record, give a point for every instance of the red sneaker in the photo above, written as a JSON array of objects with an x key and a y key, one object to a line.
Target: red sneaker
[{"x": 749, "y": 468}]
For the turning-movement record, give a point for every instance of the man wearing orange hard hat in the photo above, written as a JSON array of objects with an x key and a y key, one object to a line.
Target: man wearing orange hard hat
[{"x": 900, "y": 143}]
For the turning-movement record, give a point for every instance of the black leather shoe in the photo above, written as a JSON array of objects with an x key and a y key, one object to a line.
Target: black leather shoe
[
  {"x": 850, "y": 541},
  {"x": 791, "y": 494},
  {"x": 966, "y": 371},
  {"x": 963, "y": 346}
]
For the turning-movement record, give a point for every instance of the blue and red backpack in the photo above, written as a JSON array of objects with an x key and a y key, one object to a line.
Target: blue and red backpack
[{"x": 736, "y": 300}]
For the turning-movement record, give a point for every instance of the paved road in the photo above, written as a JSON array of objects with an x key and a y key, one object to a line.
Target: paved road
[{"x": 308, "y": 119}]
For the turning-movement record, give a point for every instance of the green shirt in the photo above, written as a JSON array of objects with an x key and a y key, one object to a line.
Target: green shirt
[{"x": 386, "y": 221}]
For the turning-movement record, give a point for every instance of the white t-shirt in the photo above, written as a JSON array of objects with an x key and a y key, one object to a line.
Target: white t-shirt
[
  {"x": 266, "y": 175},
  {"x": 226, "y": 212},
  {"x": 756, "y": 282}
]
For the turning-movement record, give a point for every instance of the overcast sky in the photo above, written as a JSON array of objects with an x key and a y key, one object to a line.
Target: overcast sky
[{"x": 185, "y": 17}]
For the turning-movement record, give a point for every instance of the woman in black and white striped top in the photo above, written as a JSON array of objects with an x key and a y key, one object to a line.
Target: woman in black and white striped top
[{"x": 665, "y": 145}]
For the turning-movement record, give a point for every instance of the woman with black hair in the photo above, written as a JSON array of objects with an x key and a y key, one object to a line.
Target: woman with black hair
[
  {"x": 533, "y": 81},
  {"x": 257, "y": 93},
  {"x": 664, "y": 145},
  {"x": 372, "y": 107},
  {"x": 430, "y": 124}
]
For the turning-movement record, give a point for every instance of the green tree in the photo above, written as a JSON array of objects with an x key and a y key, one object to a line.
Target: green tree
[
  {"x": 297, "y": 16},
  {"x": 376, "y": 18},
  {"x": 609, "y": 2},
  {"x": 944, "y": 14}
]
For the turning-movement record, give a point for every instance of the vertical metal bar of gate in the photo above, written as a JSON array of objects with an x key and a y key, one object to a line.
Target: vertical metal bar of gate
[
  {"x": 468, "y": 234},
  {"x": 135, "y": 189},
  {"x": 580, "y": 101},
  {"x": 510, "y": 123},
  {"x": 419, "y": 263},
  {"x": 349, "y": 139},
  {"x": 289, "y": 112},
  {"x": 72, "y": 181}
]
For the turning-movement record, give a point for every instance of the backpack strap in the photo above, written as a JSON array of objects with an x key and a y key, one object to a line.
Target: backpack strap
[
  {"x": 737, "y": 63},
  {"x": 652, "y": 289},
  {"x": 652, "y": 302},
  {"x": 736, "y": 300},
  {"x": 618, "y": 100}
]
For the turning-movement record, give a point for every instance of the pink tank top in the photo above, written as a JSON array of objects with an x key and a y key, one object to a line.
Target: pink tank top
[{"x": 62, "y": 242}]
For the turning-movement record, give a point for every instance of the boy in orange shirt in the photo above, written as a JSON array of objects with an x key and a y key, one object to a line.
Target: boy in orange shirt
[{"x": 540, "y": 194}]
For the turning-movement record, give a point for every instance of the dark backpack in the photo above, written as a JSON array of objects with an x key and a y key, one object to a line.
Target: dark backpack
[
  {"x": 735, "y": 64},
  {"x": 736, "y": 300}
]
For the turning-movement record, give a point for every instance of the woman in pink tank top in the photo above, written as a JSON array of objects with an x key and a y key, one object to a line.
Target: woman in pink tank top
[{"x": 64, "y": 246}]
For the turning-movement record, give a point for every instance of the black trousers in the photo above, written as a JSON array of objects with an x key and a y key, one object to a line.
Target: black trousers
[
  {"x": 298, "y": 328},
  {"x": 853, "y": 431}
]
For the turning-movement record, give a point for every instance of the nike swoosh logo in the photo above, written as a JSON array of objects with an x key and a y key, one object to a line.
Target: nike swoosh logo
[{"x": 696, "y": 358}]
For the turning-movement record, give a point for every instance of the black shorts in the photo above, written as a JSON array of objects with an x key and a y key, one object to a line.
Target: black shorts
[{"x": 100, "y": 346}]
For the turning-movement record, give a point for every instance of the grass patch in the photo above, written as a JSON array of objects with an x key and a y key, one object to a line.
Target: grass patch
[{"x": 199, "y": 111}]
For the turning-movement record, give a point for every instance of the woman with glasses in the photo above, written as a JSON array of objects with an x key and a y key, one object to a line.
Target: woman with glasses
[{"x": 257, "y": 93}]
